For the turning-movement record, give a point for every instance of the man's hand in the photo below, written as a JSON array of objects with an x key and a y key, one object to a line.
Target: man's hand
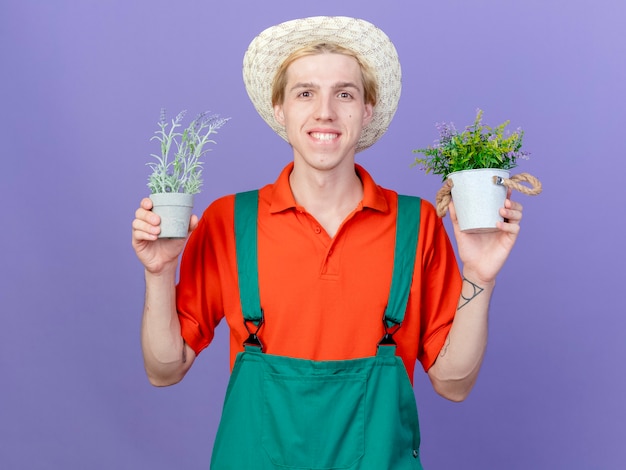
[
  {"x": 156, "y": 254},
  {"x": 484, "y": 254}
]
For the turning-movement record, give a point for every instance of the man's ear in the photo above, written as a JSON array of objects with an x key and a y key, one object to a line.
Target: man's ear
[
  {"x": 368, "y": 115},
  {"x": 279, "y": 115}
]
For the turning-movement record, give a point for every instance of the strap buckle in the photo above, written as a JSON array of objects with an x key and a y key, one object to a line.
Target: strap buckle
[
  {"x": 390, "y": 330},
  {"x": 253, "y": 338}
]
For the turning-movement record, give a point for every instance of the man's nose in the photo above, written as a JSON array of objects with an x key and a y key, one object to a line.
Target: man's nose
[{"x": 325, "y": 110}]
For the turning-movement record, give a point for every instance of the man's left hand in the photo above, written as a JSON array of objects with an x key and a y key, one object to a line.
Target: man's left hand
[{"x": 483, "y": 254}]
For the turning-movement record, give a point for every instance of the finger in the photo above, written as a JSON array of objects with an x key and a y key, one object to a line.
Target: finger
[
  {"x": 510, "y": 228},
  {"x": 140, "y": 236},
  {"x": 146, "y": 203},
  {"x": 193, "y": 223},
  {"x": 512, "y": 211},
  {"x": 147, "y": 216},
  {"x": 509, "y": 204},
  {"x": 452, "y": 211},
  {"x": 142, "y": 229},
  {"x": 510, "y": 216}
]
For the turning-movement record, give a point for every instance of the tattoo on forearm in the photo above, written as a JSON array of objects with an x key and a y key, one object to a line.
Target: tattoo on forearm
[
  {"x": 444, "y": 350},
  {"x": 468, "y": 298}
]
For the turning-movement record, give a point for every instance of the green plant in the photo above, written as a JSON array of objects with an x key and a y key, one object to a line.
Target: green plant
[
  {"x": 478, "y": 146},
  {"x": 183, "y": 173}
]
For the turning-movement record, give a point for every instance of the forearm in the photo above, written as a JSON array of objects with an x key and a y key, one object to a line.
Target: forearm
[
  {"x": 455, "y": 371},
  {"x": 166, "y": 357}
]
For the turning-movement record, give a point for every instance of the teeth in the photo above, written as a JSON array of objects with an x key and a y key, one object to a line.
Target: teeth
[{"x": 323, "y": 136}]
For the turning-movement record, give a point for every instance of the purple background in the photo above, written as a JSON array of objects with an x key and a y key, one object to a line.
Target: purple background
[{"x": 82, "y": 83}]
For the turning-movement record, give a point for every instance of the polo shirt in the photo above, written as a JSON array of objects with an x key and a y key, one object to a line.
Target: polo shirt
[{"x": 323, "y": 298}]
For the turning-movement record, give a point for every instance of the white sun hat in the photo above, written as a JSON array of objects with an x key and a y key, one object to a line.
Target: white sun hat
[{"x": 270, "y": 48}]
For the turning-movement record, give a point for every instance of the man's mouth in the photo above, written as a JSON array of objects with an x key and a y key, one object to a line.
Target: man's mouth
[{"x": 324, "y": 136}]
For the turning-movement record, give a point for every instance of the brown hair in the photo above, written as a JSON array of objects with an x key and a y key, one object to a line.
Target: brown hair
[{"x": 370, "y": 85}]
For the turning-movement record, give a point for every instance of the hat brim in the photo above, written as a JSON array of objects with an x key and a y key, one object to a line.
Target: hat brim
[{"x": 270, "y": 48}]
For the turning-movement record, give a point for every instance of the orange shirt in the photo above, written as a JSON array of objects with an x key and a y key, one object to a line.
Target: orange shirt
[{"x": 323, "y": 298}]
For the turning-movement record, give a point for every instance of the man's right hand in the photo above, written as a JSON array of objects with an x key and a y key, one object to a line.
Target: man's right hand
[{"x": 156, "y": 254}]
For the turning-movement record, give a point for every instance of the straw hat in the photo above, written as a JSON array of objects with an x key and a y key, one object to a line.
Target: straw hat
[{"x": 270, "y": 48}]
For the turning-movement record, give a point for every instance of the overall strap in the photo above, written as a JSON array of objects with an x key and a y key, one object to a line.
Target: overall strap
[
  {"x": 407, "y": 232},
  {"x": 246, "y": 212}
]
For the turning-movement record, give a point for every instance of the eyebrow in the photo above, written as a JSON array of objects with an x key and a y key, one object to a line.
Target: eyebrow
[{"x": 336, "y": 86}]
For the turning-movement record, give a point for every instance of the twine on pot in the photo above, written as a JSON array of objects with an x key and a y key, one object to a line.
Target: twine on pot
[{"x": 444, "y": 195}]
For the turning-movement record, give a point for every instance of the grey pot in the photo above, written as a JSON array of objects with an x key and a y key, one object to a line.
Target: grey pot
[
  {"x": 478, "y": 199},
  {"x": 175, "y": 212}
]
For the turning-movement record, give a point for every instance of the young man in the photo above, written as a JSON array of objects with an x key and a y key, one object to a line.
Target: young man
[{"x": 332, "y": 286}]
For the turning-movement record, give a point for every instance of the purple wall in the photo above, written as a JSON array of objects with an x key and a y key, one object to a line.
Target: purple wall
[{"x": 81, "y": 88}]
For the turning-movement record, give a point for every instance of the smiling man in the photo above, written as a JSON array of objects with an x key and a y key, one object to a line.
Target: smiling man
[
  {"x": 323, "y": 111},
  {"x": 332, "y": 286}
]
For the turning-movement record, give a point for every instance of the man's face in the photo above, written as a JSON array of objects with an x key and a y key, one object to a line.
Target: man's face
[{"x": 324, "y": 111}]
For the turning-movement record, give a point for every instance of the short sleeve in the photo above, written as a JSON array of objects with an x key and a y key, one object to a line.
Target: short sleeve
[{"x": 204, "y": 270}]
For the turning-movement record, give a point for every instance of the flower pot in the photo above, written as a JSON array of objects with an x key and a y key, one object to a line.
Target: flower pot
[
  {"x": 175, "y": 212},
  {"x": 478, "y": 199}
]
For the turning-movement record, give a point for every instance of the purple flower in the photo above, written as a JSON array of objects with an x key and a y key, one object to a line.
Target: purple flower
[
  {"x": 180, "y": 116},
  {"x": 446, "y": 130}
]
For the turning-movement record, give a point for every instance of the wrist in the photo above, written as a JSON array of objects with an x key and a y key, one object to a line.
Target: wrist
[
  {"x": 475, "y": 278},
  {"x": 167, "y": 271}
]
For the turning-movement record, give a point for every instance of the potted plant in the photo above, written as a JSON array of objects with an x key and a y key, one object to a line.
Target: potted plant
[
  {"x": 174, "y": 181},
  {"x": 475, "y": 166}
]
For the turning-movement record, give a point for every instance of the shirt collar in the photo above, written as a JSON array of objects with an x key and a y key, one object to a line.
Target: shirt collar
[{"x": 282, "y": 197}]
